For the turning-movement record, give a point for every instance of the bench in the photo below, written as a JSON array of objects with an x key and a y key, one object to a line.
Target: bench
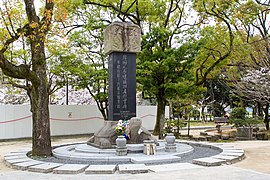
[{"x": 219, "y": 121}]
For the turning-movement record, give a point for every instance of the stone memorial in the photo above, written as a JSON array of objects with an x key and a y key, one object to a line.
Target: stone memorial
[{"x": 121, "y": 43}]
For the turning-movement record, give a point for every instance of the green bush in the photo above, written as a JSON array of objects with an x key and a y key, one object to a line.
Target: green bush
[
  {"x": 170, "y": 124},
  {"x": 238, "y": 113},
  {"x": 247, "y": 122},
  {"x": 239, "y": 119}
]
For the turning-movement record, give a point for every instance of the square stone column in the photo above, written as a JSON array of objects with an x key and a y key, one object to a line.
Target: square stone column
[{"x": 121, "y": 43}]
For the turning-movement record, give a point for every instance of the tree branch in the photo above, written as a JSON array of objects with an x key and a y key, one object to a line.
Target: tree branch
[
  {"x": 133, "y": 18},
  {"x": 231, "y": 38}
]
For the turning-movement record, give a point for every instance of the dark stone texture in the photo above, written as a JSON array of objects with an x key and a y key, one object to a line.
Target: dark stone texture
[{"x": 122, "y": 86}]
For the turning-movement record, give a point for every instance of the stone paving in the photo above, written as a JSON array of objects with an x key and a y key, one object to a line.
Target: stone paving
[
  {"x": 255, "y": 166},
  {"x": 141, "y": 163}
]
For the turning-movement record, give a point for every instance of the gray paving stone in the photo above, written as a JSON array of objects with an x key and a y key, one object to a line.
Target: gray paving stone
[
  {"x": 233, "y": 150},
  {"x": 239, "y": 155},
  {"x": 229, "y": 159},
  {"x": 209, "y": 161},
  {"x": 44, "y": 168},
  {"x": 19, "y": 160},
  {"x": 10, "y": 162},
  {"x": 70, "y": 169},
  {"x": 91, "y": 149},
  {"x": 15, "y": 157},
  {"x": 16, "y": 154},
  {"x": 101, "y": 169},
  {"x": 173, "y": 167},
  {"x": 24, "y": 165},
  {"x": 152, "y": 159},
  {"x": 132, "y": 168},
  {"x": 118, "y": 159},
  {"x": 24, "y": 151}
]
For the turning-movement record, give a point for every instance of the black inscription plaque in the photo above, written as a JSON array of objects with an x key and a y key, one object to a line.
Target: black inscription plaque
[{"x": 122, "y": 86}]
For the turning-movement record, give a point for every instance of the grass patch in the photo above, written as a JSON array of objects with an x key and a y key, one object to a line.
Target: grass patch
[
  {"x": 199, "y": 123},
  {"x": 224, "y": 141}
]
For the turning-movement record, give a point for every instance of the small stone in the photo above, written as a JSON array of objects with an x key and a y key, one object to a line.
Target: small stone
[
  {"x": 203, "y": 133},
  {"x": 225, "y": 137}
]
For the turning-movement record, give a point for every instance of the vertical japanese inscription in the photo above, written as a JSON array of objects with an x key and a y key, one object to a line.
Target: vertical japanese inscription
[
  {"x": 122, "y": 85},
  {"x": 124, "y": 81}
]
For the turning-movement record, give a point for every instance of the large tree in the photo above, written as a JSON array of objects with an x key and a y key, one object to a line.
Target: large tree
[
  {"x": 161, "y": 61},
  {"x": 219, "y": 37},
  {"x": 250, "y": 68},
  {"x": 163, "y": 70},
  {"x": 20, "y": 20},
  {"x": 245, "y": 60},
  {"x": 91, "y": 70}
]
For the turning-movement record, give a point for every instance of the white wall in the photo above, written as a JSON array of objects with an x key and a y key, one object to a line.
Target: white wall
[{"x": 16, "y": 120}]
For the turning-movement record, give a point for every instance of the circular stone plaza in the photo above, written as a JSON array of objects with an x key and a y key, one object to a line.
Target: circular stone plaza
[{"x": 73, "y": 159}]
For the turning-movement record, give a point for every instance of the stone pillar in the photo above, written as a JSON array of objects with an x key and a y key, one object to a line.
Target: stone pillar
[
  {"x": 149, "y": 147},
  {"x": 170, "y": 145},
  {"x": 121, "y": 43},
  {"x": 121, "y": 146}
]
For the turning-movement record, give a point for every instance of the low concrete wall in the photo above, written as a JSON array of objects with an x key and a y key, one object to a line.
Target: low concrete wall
[{"x": 16, "y": 120}]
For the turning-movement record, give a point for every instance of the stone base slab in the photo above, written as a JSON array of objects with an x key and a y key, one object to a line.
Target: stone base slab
[
  {"x": 101, "y": 169},
  {"x": 132, "y": 168},
  {"x": 70, "y": 169},
  {"x": 44, "y": 168},
  {"x": 141, "y": 162},
  {"x": 209, "y": 161}
]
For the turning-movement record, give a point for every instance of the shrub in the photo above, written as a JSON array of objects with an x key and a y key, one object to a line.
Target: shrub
[
  {"x": 239, "y": 119},
  {"x": 246, "y": 122},
  {"x": 238, "y": 113}
]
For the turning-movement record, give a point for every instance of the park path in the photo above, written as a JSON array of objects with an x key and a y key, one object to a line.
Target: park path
[{"x": 257, "y": 155}]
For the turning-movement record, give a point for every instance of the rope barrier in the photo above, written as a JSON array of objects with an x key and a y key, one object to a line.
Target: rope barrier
[
  {"x": 62, "y": 119},
  {"x": 148, "y": 115},
  {"x": 72, "y": 119},
  {"x": 14, "y": 120}
]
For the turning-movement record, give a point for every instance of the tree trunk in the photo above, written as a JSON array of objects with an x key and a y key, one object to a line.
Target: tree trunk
[
  {"x": 202, "y": 114},
  {"x": 171, "y": 109},
  {"x": 102, "y": 109},
  {"x": 35, "y": 30},
  {"x": 160, "y": 118},
  {"x": 39, "y": 96},
  {"x": 188, "y": 125},
  {"x": 260, "y": 113},
  {"x": 41, "y": 136},
  {"x": 266, "y": 117}
]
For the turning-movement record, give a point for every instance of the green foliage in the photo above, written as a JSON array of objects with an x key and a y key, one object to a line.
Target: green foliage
[
  {"x": 171, "y": 124},
  {"x": 165, "y": 68},
  {"x": 239, "y": 119},
  {"x": 88, "y": 68},
  {"x": 246, "y": 122},
  {"x": 215, "y": 41},
  {"x": 238, "y": 113}
]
